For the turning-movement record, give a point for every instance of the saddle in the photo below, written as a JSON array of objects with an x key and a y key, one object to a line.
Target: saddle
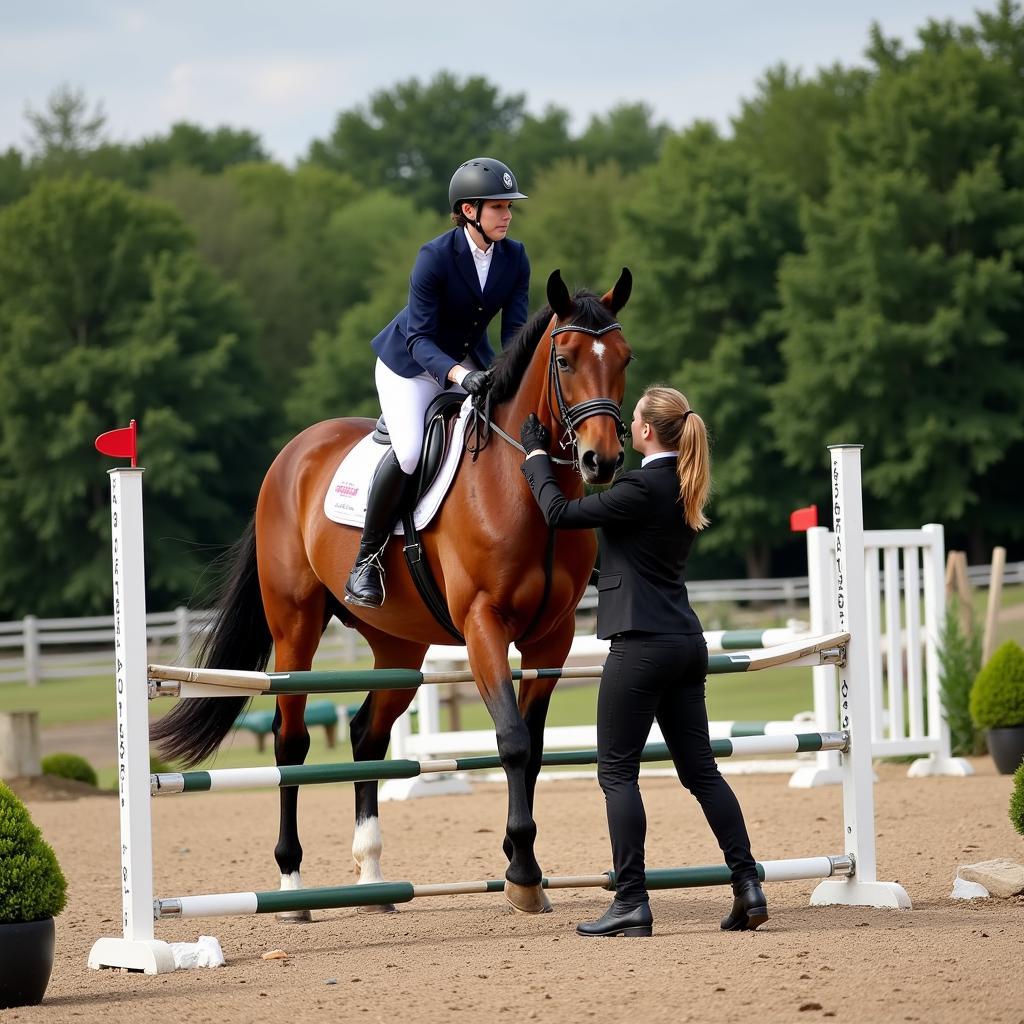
[{"x": 437, "y": 437}]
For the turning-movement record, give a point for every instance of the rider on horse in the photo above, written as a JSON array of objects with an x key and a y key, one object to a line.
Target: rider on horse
[{"x": 459, "y": 283}]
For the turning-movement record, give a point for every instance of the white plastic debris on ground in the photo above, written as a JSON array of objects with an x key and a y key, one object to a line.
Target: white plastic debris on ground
[
  {"x": 964, "y": 890},
  {"x": 204, "y": 953}
]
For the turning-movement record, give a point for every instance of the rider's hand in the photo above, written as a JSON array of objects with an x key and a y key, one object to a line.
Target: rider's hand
[
  {"x": 476, "y": 382},
  {"x": 534, "y": 434}
]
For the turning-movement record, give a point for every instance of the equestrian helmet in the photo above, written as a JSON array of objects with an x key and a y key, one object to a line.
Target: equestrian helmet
[{"x": 482, "y": 178}]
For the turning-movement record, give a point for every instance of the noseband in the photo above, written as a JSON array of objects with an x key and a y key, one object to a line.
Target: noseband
[{"x": 571, "y": 416}]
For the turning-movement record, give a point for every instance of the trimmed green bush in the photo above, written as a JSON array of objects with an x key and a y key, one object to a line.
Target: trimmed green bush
[
  {"x": 997, "y": 697},
  {"x": 69, "y": 766},
  {"x": 1017, "y": 800},
  {"x": 32, "y": 885}
]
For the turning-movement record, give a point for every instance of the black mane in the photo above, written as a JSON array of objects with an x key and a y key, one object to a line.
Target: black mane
[{"x": 509, "y": 367}]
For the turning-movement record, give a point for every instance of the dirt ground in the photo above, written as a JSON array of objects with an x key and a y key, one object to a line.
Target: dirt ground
[{"x": 466, "y": 959}]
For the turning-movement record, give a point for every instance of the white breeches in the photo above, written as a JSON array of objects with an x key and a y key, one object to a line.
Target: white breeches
[{"x": 404, "y": 401}]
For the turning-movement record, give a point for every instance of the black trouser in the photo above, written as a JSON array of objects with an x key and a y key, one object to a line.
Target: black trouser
[{"x": 661, "y": 676}]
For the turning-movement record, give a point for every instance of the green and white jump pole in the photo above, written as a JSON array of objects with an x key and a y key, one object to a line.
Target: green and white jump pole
[{"x": 374, "y": 894}]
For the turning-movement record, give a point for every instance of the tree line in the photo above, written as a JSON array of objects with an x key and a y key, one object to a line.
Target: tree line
[{"x": 845, "y": 263}]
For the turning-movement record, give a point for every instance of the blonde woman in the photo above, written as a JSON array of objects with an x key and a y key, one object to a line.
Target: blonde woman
[{"x": 657, "y": 666}]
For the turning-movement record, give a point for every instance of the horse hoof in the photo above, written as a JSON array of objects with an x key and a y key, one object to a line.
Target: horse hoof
[
  {"x": 527, "y": 899},
  {"x": 378, "y": 908},
  {"x": 295, "y": 917}
]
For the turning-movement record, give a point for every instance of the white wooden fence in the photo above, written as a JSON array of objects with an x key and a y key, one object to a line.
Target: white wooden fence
[{"x": 33, "y": 649}]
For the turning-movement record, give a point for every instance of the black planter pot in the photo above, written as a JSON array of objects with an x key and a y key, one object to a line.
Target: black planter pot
[
  {"x": 1007, "y": 748},
  {"x": 26, "y": 959}
]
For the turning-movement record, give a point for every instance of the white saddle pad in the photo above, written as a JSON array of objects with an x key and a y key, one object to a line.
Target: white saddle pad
[{"x": 345, "y": 501}]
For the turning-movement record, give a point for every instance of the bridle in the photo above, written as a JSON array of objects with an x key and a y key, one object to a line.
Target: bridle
[
  {"x": 568, "y": 417},
  {"x": 571, "y": 416}
]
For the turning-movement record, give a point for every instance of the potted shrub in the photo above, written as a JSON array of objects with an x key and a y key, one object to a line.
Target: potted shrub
[
  {"x": 69, "y": 766},
  {"x": 32, "y": 893},
  {"x": 997, "y": 705}
]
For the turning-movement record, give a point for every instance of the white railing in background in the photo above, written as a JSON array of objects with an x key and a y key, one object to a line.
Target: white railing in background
[{"x": 27, "y": 645}]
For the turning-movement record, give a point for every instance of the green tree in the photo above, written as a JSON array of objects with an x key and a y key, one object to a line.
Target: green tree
[
  {"x": 65, "y": 130},
  {"x": 339, "y": 379},
  {"x": 626, "y": 135},
  {"x": 534, "y": 145},
  {"x": 411, "y": 137},
  {"x": 903, "y": 316},
  {"x": 208, "y": 150},
  {"x": 106, "y": 313},
  {"x": 788, "y": 125},
  {"x": 704, "y": 231},
  {"x": 569, "y": 224},
  {"x": 247, "y": 246},
  {"x": 15, "y": 180}
]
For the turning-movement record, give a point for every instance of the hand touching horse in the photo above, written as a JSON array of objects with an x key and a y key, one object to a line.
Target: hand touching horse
[{"x": 486, "y": 549}]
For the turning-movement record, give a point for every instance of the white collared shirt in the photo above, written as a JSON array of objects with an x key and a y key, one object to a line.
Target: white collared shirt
[
  {"x": 658, "y": 455},
  {"x": 481, "y": 258}
]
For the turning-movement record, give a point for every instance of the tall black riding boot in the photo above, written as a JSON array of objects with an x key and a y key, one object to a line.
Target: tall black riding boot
[{"x": 388, "y": 490}]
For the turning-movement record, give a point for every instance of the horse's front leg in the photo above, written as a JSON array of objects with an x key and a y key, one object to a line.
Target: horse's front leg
[
  {"x": 487, "y": 642},
  {"x": 535, "y": 697}
]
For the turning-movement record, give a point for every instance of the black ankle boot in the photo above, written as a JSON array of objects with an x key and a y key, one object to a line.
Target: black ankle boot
[
  {"x": 620, "y": 919},
  {"x": 388, "y": 491},
  {"x": 749, "y": 908}
]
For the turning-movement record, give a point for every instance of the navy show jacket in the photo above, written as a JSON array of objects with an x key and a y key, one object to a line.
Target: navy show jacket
[{"x": 447, "y": 315}]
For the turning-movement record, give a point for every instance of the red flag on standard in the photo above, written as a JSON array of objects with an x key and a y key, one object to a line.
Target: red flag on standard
[
  {"x": 803, "y": 518},
  {"x": 118, "y": 444}
]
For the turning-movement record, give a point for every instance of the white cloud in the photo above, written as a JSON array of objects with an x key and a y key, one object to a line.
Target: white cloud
[{"x": 249, "y": 86}]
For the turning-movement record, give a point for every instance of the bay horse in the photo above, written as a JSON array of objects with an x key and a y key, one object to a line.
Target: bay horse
[{"x": 486, "y": 548}]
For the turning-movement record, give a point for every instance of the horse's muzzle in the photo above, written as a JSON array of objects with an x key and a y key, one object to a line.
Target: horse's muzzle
[{"x": 598, "y": 469}]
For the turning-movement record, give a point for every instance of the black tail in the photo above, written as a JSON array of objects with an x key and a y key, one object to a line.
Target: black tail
[{"x": 239, "y": 639}]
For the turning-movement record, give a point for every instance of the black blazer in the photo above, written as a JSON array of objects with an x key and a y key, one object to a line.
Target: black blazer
[
  {"x": 447, "y": 316},
  {"x": 644, "y": 543}
]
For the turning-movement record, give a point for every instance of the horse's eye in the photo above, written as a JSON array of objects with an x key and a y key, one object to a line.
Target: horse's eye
[{"x": 563, "y": 363}]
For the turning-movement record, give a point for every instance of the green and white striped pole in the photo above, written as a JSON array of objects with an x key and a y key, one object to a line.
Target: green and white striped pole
[
  {"x": 378, "y": 893},
  {"x": 167, "y": 783}
]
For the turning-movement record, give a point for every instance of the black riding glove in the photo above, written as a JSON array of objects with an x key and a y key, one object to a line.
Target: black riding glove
[
  {"x": 476, "y": 382},
  {"x": 534, "y": 434}
]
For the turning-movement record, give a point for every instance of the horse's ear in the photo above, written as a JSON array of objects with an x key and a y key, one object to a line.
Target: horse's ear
[
  {"x": 619, "y": 295},
  {"x": 559, "y": 298}
]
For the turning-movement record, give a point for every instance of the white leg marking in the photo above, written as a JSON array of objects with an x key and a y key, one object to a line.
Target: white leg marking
[
  {"x": 291, "y": 882},
  {"x": 366, "y": 847}
]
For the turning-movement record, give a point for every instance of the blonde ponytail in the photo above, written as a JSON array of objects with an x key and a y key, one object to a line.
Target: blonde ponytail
[{"x": 678, "y": 426}]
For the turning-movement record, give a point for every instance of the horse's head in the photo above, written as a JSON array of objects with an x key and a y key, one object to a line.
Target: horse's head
[{"x": 587, "y": 376}]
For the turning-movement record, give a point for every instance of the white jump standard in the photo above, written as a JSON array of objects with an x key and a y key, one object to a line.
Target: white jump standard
[{"x": 848, "y": 878}]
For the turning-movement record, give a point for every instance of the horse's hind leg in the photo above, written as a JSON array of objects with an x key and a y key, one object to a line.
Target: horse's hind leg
[
  {"x": 296, "y": 636},
  {"x": 370, "y": 730}
]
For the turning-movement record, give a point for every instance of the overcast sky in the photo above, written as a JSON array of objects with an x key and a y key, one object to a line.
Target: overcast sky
[{"x": 285, "y": 69}]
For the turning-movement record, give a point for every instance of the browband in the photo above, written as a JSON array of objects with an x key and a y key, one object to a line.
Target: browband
[{"x": 592, "y": 331}]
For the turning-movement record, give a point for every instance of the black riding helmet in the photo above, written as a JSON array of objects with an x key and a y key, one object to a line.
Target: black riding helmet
[{"x": 479, "y": 179}]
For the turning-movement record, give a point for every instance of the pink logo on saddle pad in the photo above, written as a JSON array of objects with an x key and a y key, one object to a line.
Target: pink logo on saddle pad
[{"x": 346, "y": 490}]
